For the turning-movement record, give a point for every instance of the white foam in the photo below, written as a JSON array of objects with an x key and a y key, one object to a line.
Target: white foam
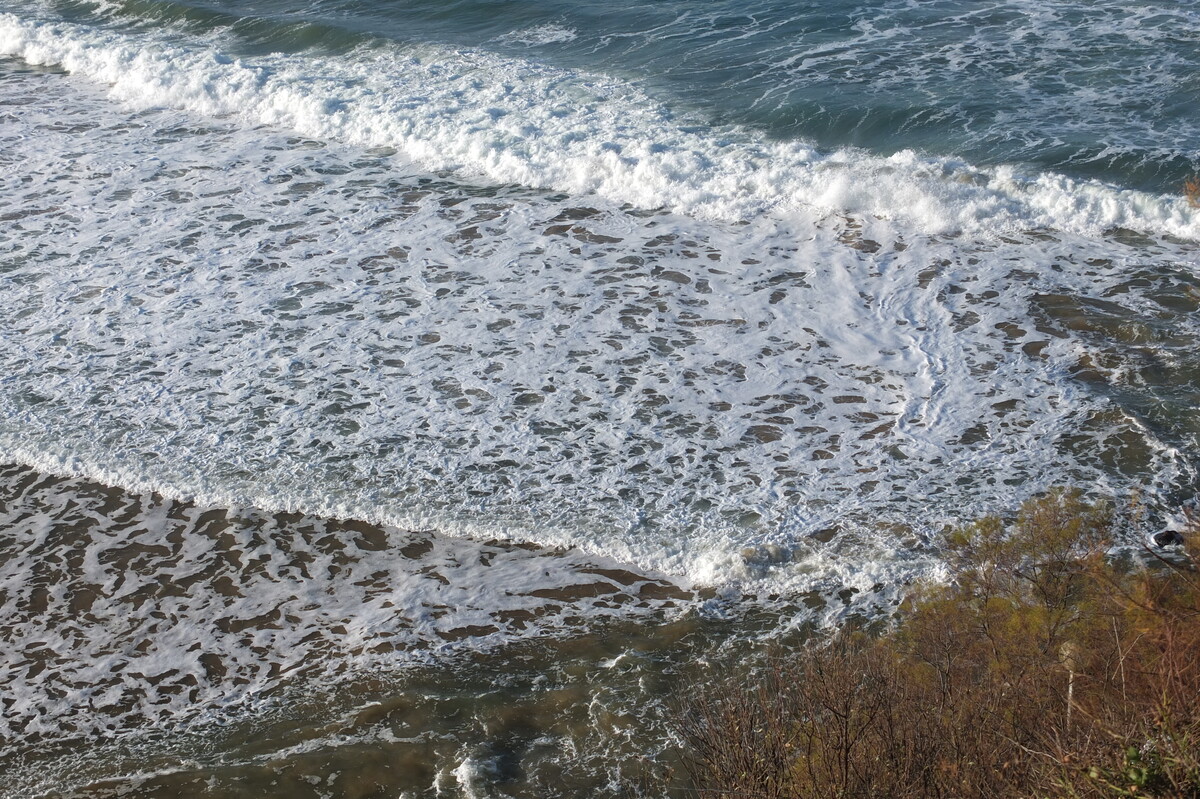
[
  {"x": 521, "y": 122},
  {"x": 249, "y": 319},
  {"x": 206, "y": 306},
  {"x": 189, "y": 613},
  {"x": 539, "y": 35}
]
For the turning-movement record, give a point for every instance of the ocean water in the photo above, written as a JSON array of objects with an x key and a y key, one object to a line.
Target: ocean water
[{"x": 430, "y": 356}]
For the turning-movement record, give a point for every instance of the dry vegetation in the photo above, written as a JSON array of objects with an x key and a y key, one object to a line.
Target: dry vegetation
[
  {"x": 1191, "y": 190},
  {"x": 1045, "y": 669}
]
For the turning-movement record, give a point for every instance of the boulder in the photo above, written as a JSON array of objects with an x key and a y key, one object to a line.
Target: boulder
[{"x": 1167, "y": 538}]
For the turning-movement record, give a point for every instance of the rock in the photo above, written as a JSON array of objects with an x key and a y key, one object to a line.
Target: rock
[{"x": 1167, "y": 538}]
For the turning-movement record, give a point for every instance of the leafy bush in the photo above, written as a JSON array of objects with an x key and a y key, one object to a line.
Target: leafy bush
[{"x": 1044, "y": 668}]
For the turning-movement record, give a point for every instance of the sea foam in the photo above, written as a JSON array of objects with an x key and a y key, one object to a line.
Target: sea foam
[
  {"x": 244, "y": 286},
  {"x": 249, "y": 318},
  {"x": 515, "y": 121}
]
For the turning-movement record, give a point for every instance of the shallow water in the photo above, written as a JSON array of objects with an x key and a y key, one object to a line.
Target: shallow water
[
  {"x": 156, "y": 648},
  {"x": 249, "y": 317},
  {"x": 675, "y": 329}
]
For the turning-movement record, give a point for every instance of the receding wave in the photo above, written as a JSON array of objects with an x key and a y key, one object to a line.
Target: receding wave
[
  {"x": 307, "y": 302},
  {"x": 246, "y": 317}
]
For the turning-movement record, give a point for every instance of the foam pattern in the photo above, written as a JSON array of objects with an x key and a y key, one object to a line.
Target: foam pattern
[
  {"x": 1095, "y": 88},
  {"x": 248, "y": 318},
  {"x": 524, "y": 122},
  {"x": 621, "y": 359},
  {"x": 120, "y": 612}
]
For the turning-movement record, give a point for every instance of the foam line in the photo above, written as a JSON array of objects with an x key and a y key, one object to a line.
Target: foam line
[{"x": 514, "y": 121}]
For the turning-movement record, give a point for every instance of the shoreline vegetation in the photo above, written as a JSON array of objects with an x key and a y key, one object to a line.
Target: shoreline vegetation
[
  {"x": 1049, "y": 665},
  {"x": 1191, "y": 191}
]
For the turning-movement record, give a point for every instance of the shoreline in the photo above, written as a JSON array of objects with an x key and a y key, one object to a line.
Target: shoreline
[{"x": 156, "y": 647}]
